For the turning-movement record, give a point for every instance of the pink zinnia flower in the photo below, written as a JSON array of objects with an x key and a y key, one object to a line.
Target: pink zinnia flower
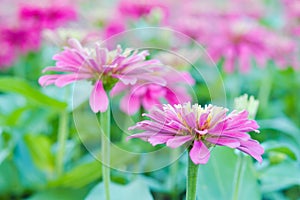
[
  {"x": 239, "y": 42},
  {"x": 103, "y": 67},
  {"x": 47, "y": 17},
  {"x": 147, "y": 95},
  {"x": 201, "y": 128},
  {"x": 21, "y": 38}
]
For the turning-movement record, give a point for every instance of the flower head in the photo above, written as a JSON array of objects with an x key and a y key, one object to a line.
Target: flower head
[
  {"x": 203, "y": 127},
  {"x": 47, "y": 17},
  {"x": 103, "y": 68},
  {"x": 147, "y": 95}
]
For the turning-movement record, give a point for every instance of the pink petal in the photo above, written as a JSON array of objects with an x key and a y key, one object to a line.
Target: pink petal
[
  {"x": 178, "y": 141},
  {"x": 66, "y": 79},
  {"x": 130, "y": 104},
  {"x": 144, "y": 135},
  {"x": 199, "y": 153},
  {"x": 98, "y": 99},
  {"x": 159, "y": 139},
  {"x": 224, "y": 141}
]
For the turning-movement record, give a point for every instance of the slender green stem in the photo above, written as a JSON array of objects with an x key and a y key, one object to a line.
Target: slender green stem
[
  {"x": 191, "y": 187},
  {"x": 105, "y": 125},
  {"x": 237, "y": 183},
  {"x": 62, "y": 137}
]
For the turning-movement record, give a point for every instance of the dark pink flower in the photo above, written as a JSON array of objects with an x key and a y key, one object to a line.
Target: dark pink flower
[
  {"x": 103, "y": 67},
  {"x": 199, "y": 127},
  {"x": 21, "y": 38},
  {"x": 147, "y": 95},
  {"x": 47, "y": 17}
]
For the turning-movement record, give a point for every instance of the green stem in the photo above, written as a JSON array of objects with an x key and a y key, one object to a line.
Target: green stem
[
  {"x": 241, "y": 168},
  {"x": 192, "y": 175},
  {"x": 105, "y": 125},
  {"x": 62, "y": 137}
]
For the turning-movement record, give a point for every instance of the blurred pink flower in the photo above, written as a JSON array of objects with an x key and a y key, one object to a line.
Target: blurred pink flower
[
  {"x": 239, "y": 42},
  {"x": 201, "y": 128},
  {"x": 7, "y": 55},
  {"x": 139, "y": 8},
  {"x": 47, "y": 17},
  {"x": 21, "y": 38},
  {"x": 104, "y": 68},
  {"x": 147, "y": 95},
  {"x": 292, "y": 13},
  {"x": 114, "y": 27}
]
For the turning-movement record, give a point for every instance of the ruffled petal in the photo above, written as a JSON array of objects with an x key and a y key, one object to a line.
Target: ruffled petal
[
  {"x": 98, "y": 99},
  {"x": 199, "y": 153},
  {"x": 178, "y": 141},
  {"x": 130, "y": 104}
]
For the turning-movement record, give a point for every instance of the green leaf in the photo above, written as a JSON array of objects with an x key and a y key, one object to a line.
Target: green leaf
[
  {"x": 218, "y": 179},
  {"x": 276, "y": 147},
  {"x": 283, "y": 125},
  {"x": 10, "y": 180},
  {"x": 135, "y": 190},
  {"x": 60, "y": 193},
  {"x": 40, "y": 150},
  {"x": 281, "y": 176},
  {"x": 20, "y": 86},
  {"x": 79, "y": 176}
]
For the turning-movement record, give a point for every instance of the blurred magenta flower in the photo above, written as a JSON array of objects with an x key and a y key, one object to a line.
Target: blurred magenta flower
[
  {"x": 147, "y": 95},
  {"x": 114, "y": 26},
  {"x": 47, "y": 17},
  {"x": 21, "y": 38},
  {"x": 140, "y": 8},
  {"x": 103, "y": 67},
  {"x": 201, "y": 128}
]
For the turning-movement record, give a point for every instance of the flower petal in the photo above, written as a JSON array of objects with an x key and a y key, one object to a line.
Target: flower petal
[
  {"x": 199, "y": 153},
  {"x": 224, "y": 141},
  {"x": 178, "y": 141},
  {"x": 98, "y": 99},
  {"x": 130, "y": 104}
]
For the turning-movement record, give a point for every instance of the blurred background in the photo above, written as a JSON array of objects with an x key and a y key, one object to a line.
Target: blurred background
[{"x": 247, "y": 46}]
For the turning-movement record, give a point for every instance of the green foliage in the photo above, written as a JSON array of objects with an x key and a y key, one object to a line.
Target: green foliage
[{"x": 228, "y": 176}]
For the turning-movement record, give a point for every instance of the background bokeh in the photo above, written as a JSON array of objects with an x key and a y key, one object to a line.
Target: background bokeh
[{"x": 229, "y": 47}]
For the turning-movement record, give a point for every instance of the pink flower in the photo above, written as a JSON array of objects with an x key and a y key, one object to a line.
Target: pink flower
[
  {"x": 199, "y": 127},
  {"x": 147, "y": 95},
  {"x": 239, "y": 42},
  {"x": 47, "y": 17},
  {"x": 104, "y": 68},
  {"x": 114, "y": 27},
  {"x": 21, "y": 38},
  {"x": 140, "y": 8},
  {"x": 7, "y": 55}
]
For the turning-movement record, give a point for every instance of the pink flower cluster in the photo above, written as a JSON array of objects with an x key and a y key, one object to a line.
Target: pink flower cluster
[
  {"x": 114, "y": 70},
  {"x": 22, "y": 32},
  {"x": 200, "y": 128},
  {"x": 230, "y": 30}
]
